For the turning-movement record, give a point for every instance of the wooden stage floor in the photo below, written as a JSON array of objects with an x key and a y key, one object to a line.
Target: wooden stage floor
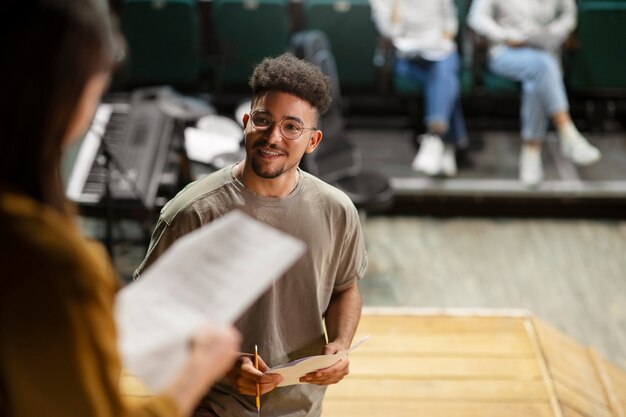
[{"x": 473, "y": 363}]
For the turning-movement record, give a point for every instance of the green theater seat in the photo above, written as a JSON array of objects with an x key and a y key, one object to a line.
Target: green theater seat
[
  {"x": 163, "y": 42},
  {"x": 599, "y": 64},
  {"x": 353, "y": 36},
  {"x": 247, "y": 32},
  {"x": 495, "y": 84}
]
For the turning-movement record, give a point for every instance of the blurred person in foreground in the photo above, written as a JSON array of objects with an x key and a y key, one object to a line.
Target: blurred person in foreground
[
  {"x": 525, "y": 39},
  {"x": 423, "y": 35},
  {"x": 315, "y": 307},
  {"x": 58, "y": 353}
]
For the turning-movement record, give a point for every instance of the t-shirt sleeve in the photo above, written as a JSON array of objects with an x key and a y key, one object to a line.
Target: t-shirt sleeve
[
  {"x": 353, "y": 261},
  {"x": 166, "y": 232}
]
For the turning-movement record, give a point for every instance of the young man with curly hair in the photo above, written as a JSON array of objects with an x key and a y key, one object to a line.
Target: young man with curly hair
[{"x": 320, "y": 291}]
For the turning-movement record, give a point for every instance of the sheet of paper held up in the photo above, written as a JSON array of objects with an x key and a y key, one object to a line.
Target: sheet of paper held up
[
  {"x": 294, "y": 370},
  {"x": 212, "y": 274}
]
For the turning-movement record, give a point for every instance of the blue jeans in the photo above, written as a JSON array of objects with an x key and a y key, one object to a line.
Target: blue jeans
[
  {"x": 543, "y": 91},
  {"x": 442, "y": 101}
]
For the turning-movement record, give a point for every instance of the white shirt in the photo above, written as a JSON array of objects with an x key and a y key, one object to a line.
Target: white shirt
[
  {"x": 417, "y": 27},
  {"x": 541, "y": 23}
]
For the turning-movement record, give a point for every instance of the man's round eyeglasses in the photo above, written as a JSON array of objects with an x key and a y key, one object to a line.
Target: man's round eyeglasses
[{"x": 290, "y": 129}]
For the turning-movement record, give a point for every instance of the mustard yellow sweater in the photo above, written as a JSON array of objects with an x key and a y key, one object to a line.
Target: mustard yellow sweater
[{"x": 58, "y": 353}]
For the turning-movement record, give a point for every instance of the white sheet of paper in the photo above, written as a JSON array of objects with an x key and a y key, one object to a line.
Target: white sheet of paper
[
  {"x": 294, "y": 370},
  {"x": 212, "y": 274}
]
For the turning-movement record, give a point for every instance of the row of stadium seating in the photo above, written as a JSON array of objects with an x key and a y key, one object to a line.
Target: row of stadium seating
[{"x": 167, "y": 44}]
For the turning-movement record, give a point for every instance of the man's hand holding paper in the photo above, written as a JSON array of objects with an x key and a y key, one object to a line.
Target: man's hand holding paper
[
  {"x": 333, "y": 373},
  {"x": 325, "y": 369}
]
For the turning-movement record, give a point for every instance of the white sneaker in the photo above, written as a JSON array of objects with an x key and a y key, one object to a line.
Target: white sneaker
[
  {"x": 577, "y": 149},
  {"x": 448, "y": 161},
  {"x": 530, "y": 166},
  {"x": 428, "y": 158}
]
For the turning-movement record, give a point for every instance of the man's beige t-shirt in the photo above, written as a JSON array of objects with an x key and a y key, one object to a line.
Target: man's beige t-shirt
[{"x": 287, "y": 321}]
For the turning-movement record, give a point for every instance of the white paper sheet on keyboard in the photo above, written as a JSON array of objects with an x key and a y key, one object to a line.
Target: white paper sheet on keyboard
[
  {"x": 204, "y": 146},
  {"x": 212, "y": 274}
]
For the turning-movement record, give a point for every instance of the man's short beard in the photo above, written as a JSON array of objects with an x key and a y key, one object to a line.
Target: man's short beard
[{"x": 258, "y": 170}]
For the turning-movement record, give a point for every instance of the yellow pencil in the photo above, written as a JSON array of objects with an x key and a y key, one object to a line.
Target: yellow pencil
[{"x": 258, "y": 389}]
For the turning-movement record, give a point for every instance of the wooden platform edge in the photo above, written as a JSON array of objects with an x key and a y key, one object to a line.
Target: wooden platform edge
[
  {"x": 445, "y": 312},
  {"x": 606, "y": 382},
  {"x": 533, "y": 336}
]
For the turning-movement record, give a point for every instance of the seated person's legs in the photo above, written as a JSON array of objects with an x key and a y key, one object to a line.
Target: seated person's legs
[
  {"x": 444, "y": 120},
  {"x": 457, "y": 133},
  {"x": 573, "y": 145},
  {"x": 543, "y": 97},
  {"x": 442, "y": 98}
]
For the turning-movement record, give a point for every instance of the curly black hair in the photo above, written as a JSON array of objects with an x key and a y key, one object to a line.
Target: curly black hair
[{"x": 295, "y": 76}]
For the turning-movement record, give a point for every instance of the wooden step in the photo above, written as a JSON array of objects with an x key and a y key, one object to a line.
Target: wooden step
[{"x": 473, "y": 364}]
